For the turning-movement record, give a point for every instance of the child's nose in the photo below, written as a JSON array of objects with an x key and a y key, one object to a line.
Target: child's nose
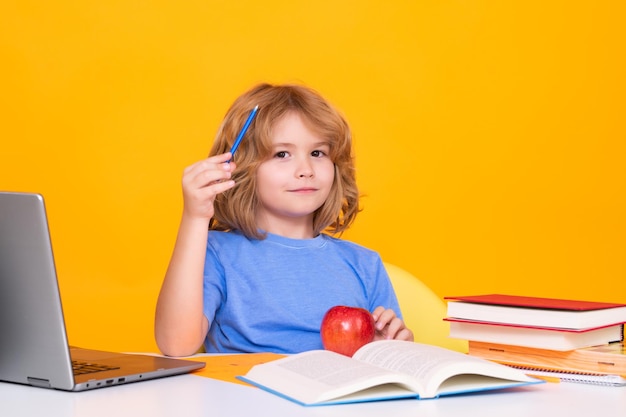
[{"x": 305, "y": 169}]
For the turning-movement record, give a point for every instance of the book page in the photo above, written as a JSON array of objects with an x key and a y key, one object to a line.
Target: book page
[
  {"x": 317, "y": 376},
  {"x": 418, "y": 360},
  {"x": 433, "y": 365}
]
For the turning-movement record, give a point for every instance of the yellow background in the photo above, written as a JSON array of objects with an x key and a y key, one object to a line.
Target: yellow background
[{"x": 490, "y": 135}]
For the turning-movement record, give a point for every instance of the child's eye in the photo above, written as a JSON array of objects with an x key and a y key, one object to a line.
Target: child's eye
[
  {"x": 318, "y": 154},
  {"x": 281, "y": 154}
]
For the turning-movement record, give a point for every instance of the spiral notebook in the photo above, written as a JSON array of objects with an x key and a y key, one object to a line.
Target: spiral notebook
[{"x": 579, "y": 377}]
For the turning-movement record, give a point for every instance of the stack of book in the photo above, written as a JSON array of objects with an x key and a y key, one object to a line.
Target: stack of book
[{"x": 580, "y": 341}]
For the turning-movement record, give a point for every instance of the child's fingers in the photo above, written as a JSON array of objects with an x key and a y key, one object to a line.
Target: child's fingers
[
  {"x": 390, "y": 326},
  {"x": 404, "y": 334},
  {"x": 383, "y": 318},
  {"x": 206, "y": 172},
  {"x": 377, "y": 312},
  {"x": 206, "y": 163}
]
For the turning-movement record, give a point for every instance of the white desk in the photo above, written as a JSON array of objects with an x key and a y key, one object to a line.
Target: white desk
[{"x": 191, "y": 395}]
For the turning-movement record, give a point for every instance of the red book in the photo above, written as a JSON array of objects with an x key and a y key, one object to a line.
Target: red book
[
  {"x": 536, "y": 302},
  {"x": 535, "y": 311}
]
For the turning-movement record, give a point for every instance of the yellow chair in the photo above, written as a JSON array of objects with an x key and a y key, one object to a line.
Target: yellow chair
[{"x": 423, "y": 311}]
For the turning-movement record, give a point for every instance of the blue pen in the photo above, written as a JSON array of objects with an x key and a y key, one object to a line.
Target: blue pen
[{"x": 244, "y": 129}]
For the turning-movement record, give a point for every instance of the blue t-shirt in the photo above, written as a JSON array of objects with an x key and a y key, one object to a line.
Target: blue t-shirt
[{"x": 271, "y": 295}]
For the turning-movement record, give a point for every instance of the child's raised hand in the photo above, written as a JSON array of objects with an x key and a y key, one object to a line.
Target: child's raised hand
[
  {"x": 204, "y": 180},
  {"x": 389, "y": 326}
]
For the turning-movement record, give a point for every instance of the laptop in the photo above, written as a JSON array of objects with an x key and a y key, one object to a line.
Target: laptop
[{"x": 34, "y": 348}]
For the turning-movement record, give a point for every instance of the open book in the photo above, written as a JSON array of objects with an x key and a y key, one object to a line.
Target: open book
[{"x": 381, "y": 370}]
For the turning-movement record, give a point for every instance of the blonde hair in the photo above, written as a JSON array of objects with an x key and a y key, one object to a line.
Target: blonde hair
[{"x": 235, "y": 209}]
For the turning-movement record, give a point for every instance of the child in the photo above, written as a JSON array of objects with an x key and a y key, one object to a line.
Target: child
[{"x": 252, "y": 270}]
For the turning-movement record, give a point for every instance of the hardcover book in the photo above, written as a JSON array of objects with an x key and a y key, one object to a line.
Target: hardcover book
[
  {"x": 535, "y": 311},
  {"x": 381, "y": 370},
  {"x": 534, "y": 337}
]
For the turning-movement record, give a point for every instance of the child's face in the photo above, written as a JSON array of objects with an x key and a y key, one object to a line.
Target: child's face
[{"x": 295, "y": 181}]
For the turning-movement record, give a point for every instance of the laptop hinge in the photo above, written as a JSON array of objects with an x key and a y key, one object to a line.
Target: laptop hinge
[{"x": 39, "y": 382}]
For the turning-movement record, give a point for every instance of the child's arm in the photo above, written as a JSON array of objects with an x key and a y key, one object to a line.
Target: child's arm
[
  {"x": 390, "y": 326},
  {"x": 180, "y": 324}
]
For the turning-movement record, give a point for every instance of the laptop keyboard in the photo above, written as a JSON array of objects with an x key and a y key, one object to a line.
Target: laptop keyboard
[{"x": 81, "y": 367}]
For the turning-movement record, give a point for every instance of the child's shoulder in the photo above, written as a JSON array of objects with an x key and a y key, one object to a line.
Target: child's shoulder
[{"x": 219, "y": 238}]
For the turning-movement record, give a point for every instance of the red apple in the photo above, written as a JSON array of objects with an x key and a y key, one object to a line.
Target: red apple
[{"x": 345, "y": 329}]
